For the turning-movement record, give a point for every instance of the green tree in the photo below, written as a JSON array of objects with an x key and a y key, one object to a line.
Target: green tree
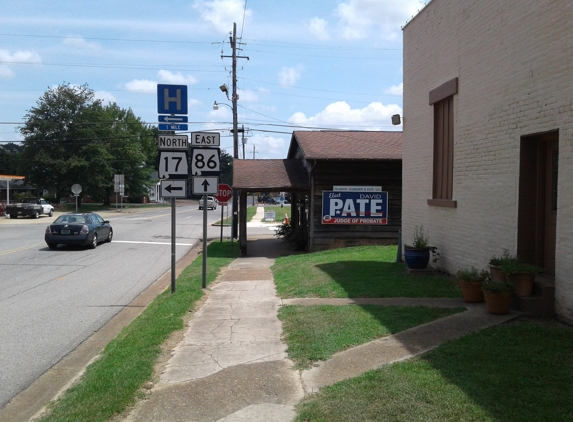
[
  {"x": 10, "y": 155},
  {"x": 70, "y": 137},
  {"x": 226, "y": 175}
]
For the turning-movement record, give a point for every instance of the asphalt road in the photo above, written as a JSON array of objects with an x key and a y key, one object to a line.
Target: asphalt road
[{"x": 52, "y": 300}]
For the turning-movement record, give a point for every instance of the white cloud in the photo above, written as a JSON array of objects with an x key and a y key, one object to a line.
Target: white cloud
[
  {"x": 176, "y": 78},
  {"x": 317, "y": 27},
  {"x": 79, "y": 42},
  {"x": 222, "y": 13},
  {"x": 106, "y": 97},
  {"x": 141, "y": 85},
  {"x": 395, "y": 89},
  {"x": 193, "y": 103},
  {"x": 247, "y": 96},
  {"x": 266, "y": 147},
  {"x": 18, "y": 57},
  {"x": 289, "y": 76},
  {"x": 359, "y": 17},
  {"x": 339, "y": 115}
]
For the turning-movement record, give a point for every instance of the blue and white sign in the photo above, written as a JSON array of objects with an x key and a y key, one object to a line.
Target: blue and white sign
[
  {"x": 172, "y": 126},
  {"x": 171, "y": 99},
  {"x": 356, "y": 208},
  {"x": 172, "y": 119}
]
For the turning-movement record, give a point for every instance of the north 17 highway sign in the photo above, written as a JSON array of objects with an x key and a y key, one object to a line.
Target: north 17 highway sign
[
  {"x": 173, "y": 165},
  {"x": 173, "y": 188}
]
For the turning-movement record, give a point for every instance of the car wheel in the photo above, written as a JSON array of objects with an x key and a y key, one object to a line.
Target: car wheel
[
  {"x": 36, "y": 214},
  {"x": 109, "y": 236},
  {"x": 52, "y": 246},
  {"x": 13, "y": 216},
  {"x": 93, "y": 245},
  {"x": 51, "y": 213}
]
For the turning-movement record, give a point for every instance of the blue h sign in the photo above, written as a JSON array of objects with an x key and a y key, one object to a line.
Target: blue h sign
[{"x": 172, "y": 99}]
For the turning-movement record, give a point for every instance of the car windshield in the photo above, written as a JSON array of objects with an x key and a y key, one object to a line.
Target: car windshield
[{"x": 70, "y": 219}]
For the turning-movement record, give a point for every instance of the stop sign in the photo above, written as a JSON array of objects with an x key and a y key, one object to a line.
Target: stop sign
[{"x": 225, "y": 193}]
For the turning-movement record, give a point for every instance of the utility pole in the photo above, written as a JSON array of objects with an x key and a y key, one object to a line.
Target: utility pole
[
  {"x": 254, "y": 151},
  {"x": 233, "y": 40}
]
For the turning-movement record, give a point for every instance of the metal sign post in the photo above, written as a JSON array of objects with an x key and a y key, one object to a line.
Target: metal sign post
[
  {"x": 204, "y": 282},
  {"x": 173, "y": 245}
]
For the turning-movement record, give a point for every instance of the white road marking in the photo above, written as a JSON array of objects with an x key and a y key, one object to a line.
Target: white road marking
[{"x": 152, "y": 243}]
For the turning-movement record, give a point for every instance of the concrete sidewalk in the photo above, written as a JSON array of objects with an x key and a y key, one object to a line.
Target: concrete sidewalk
[{"x": 232, "y": 364}]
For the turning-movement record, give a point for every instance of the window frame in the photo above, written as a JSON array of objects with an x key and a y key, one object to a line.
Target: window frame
[{"x": 442, "y": 100}]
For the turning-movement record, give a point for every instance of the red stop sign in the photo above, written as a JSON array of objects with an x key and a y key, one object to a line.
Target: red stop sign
[{"x": 225, "y": 193}]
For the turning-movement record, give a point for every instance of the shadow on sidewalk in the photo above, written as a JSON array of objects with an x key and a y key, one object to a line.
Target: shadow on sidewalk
[{"x": 268, "y": 247}]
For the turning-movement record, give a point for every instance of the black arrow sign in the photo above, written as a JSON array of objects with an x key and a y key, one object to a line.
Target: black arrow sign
[
  {"x": 171, "y": 188},
  {"x": 205, "y": 185}
]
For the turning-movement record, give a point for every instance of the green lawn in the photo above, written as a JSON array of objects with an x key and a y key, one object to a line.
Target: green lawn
[
  {"x": 516, "y": 372},
  {"x": 361, "y": 271},
  {"x": 315, "y": 333}
]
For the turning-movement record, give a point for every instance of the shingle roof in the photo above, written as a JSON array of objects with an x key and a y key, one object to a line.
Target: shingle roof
[
  {"x": 269, "y": 174},
  {"x": 348, "y": 145}
]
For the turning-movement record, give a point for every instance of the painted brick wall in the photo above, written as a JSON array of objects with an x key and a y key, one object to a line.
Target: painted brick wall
[{"x": 514, "y": 61}]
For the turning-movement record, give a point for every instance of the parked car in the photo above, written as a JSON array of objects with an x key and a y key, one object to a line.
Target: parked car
[
  {"x": 76, "y": 228},
  {"x": 211, "y": 203},
  {"x": 30, "y": 207}
]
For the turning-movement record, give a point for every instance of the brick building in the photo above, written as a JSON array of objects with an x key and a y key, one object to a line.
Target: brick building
[{"x": 488, "y": 134}]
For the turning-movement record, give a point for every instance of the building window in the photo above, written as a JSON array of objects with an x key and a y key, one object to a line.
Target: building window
[{"x": 442, "y": 99}]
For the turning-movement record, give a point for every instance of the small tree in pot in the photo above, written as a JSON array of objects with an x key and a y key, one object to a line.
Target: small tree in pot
[
  {"x": 417, "y": 255},
  {"x": 497, "y": 296},
  {"x": 521, "y": 275},
  {"x": 470, "y": 282}
]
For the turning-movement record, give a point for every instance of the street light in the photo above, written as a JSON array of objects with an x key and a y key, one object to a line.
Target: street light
[{"x": 216, "y": 105}]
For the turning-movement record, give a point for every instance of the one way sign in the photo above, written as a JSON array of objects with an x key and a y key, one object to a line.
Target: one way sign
[{"x": 173, "y": 188}]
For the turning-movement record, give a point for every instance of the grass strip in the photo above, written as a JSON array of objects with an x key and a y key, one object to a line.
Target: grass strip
[
  {"x": 515, "y": 372},
  {"x": 112, "y": 382},
  {"x": 361, "y": 271},
  {"x": 315, "y": 333}
]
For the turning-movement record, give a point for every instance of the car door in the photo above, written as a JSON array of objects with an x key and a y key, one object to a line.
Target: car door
[{"x": 102, "y": 227}]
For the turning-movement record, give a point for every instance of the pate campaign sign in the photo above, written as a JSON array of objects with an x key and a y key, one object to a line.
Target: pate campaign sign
[{"x": 358, "y": 208}]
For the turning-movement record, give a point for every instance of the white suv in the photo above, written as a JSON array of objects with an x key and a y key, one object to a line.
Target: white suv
[{"x": 211, "y": 203}]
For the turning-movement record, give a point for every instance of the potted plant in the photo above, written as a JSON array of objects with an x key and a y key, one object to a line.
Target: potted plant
[
  {"x": 494, "y": 265},
  {"x": 470, "y": 281},
  {"x": 522, "y": 275},
  {"x": 417, "y": 255},
  {"x": 497, "y": 296}
]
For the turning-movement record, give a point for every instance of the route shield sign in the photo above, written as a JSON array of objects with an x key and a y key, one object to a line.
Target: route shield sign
[
  {"x": 173, "y": 165},
  {"x": 205, "y": 161}
]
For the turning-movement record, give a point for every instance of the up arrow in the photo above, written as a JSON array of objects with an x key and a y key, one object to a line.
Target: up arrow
[{"x": 205, "y": 185}]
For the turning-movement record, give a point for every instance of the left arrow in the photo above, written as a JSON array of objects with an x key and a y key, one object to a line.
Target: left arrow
[{"x": 171, "y": 188}]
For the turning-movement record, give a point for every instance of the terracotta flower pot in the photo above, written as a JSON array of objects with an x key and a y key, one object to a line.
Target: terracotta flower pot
[
  {"x": 523, "y": 283},
  {"x": 496, "y": 273},
  {"x": 471, "y": 291},
  {"x": 498, "y": 303}
]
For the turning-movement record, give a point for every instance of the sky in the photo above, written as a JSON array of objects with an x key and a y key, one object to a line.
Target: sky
[{"x": 312, "y": 65}]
